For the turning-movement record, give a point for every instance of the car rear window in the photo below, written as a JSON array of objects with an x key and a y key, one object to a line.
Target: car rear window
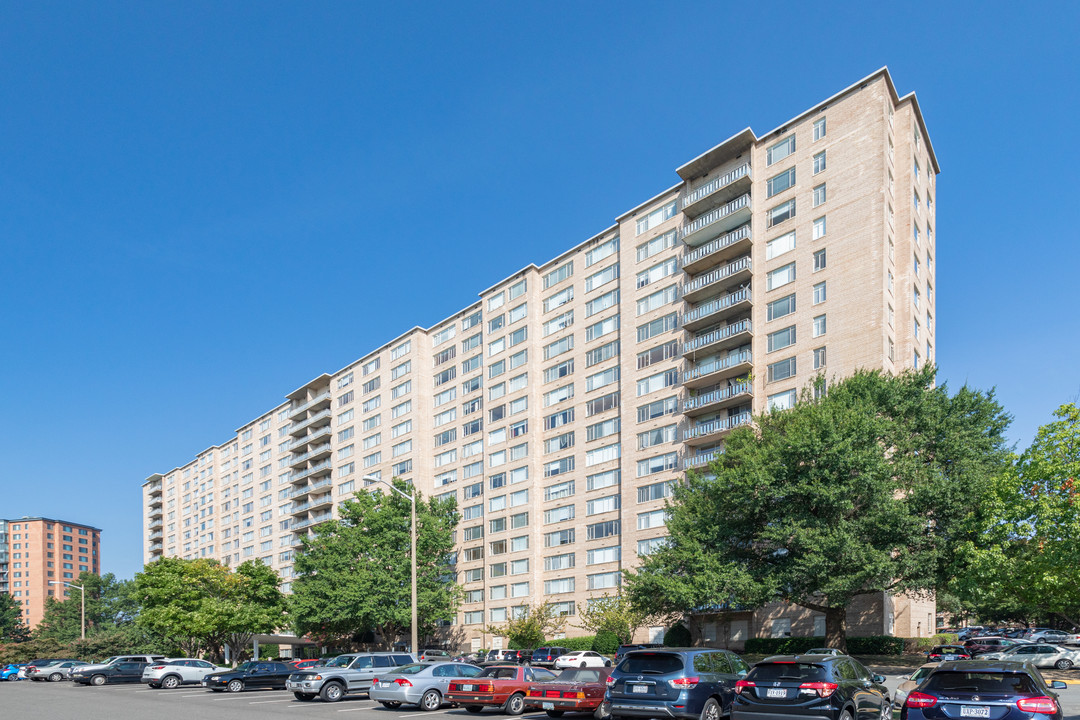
[
  {"x": 651, "y": 663},
  {"x": 787, "y": 671},
  {"x": 983, "y": 682}
]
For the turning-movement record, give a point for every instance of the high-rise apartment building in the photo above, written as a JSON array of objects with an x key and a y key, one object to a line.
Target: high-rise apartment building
[
  {"x": 36, "y": 551},
  {"x": 560, "y": 407}
]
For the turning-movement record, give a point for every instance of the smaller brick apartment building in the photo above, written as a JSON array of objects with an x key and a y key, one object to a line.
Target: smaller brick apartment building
[{"x": 35, "y": 551}]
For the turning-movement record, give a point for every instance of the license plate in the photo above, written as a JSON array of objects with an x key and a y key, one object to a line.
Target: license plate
[
  {"x": 950, "y": 657},
  {"x": 467, "y": 688},
  {"x": 385, "y": 684},
  {"x": 547, "y": 706},
  {"x": 639, "y": 688},
  {"x": 974, "y": 712},
  {"x": 775, "y": 693}
]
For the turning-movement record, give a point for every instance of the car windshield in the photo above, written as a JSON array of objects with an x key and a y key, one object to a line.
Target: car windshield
[
  {"x": 982, "y": 682},
  {"x": 341, "y": 661},
  {"x": 651, "y": 663},
  {"x": 580, "y": 675},
  {"x": 410, "y": 669},
  {"x": 786, "y": 671}
]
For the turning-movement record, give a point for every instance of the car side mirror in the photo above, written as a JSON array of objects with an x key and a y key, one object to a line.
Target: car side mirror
[
  {"x": 878, "y": 678},
  {"x": 1058, "y": 685}
]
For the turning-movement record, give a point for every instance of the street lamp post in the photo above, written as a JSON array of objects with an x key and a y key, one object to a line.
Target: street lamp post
[
  {"x": 412, "y": 546},
  {"x": 81, "y": 589}
]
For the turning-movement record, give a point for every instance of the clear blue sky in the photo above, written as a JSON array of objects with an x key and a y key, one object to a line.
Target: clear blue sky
[{"x": 197, "y": 199}]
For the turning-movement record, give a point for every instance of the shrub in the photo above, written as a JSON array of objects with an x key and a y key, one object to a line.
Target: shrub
[
  {"x": 585, "y": 642},
  {"x": 677, "y": 636},
  {"x": 875, "y": 645},
  {"x": 783, "y": 646},
  {"x": 606, "y": 642}
]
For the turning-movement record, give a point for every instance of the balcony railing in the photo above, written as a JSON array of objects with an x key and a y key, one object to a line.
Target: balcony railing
[
  {"x": 715, "y": 275},
  {"x": 714, "y": 216},
  {"x": 716, "y": 426},
  {"x": 310, "y": 438},
  {"x": 313, "y": 520},
  {"x": 692, "y": 403},
  {"x": 155, "y": 535},
  {"x": 310, "y": 453},
  {"x": 695, "y": 461},
  {"x": 317, "y": 467},
  {"x": 726, "y": 240},
  {"x": 715, "y": 184},
  {"x": 313, "y": 419},
  {"x": 716, "y": 305},
  {"x": 743, "y": 356},
  {"x": 313, "y": 401},
  {"x": 155, "y": 546},
  {"x": 715, "y": 336}
]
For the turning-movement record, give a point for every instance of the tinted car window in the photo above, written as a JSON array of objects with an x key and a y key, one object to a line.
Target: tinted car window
[
  {"x": 860, "y": 670},
  {"x": 402, "y": 659},
  {"x": 786, "y": 671},
  {"x": 651, "y": 663},
  {"x": 382, "y": 661},
  {"x": 943, "y": 682},
  {"x": 362, "y": 662},
  {"x": 739, "y": 664}
]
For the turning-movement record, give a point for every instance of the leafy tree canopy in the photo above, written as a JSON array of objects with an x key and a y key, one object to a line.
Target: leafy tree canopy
[
  {"x": 12, "y": 628},
  {"x": 529, "y": 627},
  {"x": 620, "y": 616},
  {"x": 110, "y": 604}
]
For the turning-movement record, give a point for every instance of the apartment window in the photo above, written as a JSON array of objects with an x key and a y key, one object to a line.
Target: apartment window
[
  {"x": 819, "y": 293},
  {"x": 601, "y": 303},
  {"x": 916, "y": 297},
  {"x": 559, "y": 419},
  {"x": 559, "y": 538},
  {"x": 496, "y": 323},
  {"x": 602, "y": 277},
  {"x": 599, "y": 556},
  {"x": 655, "y": 491},
  {"x": 781, "y": 339},
  {"x": 890, "y": 280},
  {"x": 780, "y": 308},
  {"x": 915, "y": 360},
  {"x": 602, "y": 530},
  {"x": 819, "y": 194},
  {"x": 559, "y": 491},
  {"x": 401, "y": 350},
  {"x": 657, "y": 354},
  {"x": 559, "y": 274},
  {"x": 602, "y": 353},
  {"x": 656, "y": 217},
  {"x": 891, "y": 315},
  {"x": 819, "y": 326},
  {"x": 658, "y": 299},
  {"x": 657, "y": 272},
  {"x": 518, "y": 336},
  {"x": 517, "y": 313},
  {"x": 915, "y": 265},
  {"x": 604, "y": 327},
  {"x": 781, "y": 370},
  {"x": 401, "y": 409},
  {"x": 555, "y": 587},
  {"x": 892, "y": 350},
  {"x": 602, "y": 505},
  {"x": 656, "y": 245},
  {"x": 780, "y": 245},
  {"x": 602, "y": 251},
  {"x": 819, "y": 228},
  {"x": 819, "y": 128},
  {"x": 916, "y": 327},
  {"x": 471, "y": 406},
  {"x": 819, "y": 162},
  {"x": 602, "y": 581},
  {"x": 559, "y": 299},
  {"x": 445, "y": 376},
  {"x": 559, "y": 514},
  {"x": 559, "y": 562},
  {"x": 650, "y": 545},
  {"x": 559, "y": 347},
  {"x": 929, "y": 322},
  {"x": 558, "y": 323},
  {"x": 443, "y": 335},
  {"x": 819, "y": 358},
  {"x": 558, "y": 395},
  {"x": 602, "y": 480},
  {"x": 402, "y": 389},
  {"x": 780, "y": 150},
  {"x": 780, "y": 276},
  {"x": 658, "y": 436},
  {"x": 344, "y": 399},
  {"x": 472, "y": 384},
  {"x": 657, "y": 382},
  {"x": 559, "y": 467},
  {"x": 660, "y": 463},
  {"x": 559, "y": 443},
  {"x": 602, "y": 454},
  {"x": 657, "y": 408},
  {"x": 819, "y": 260},
  {"x": 602, "y": 404},
  {"x": 602, "y": 429},
  {"x": 781, "y": 182},
  {"x": 658, "y": 326},
  {"x": 556, "y": 372},
  {"x": 915, "y": 200},
  {"x": 602, "y": 379}
]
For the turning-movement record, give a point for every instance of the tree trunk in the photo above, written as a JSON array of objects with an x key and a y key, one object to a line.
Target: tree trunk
[{"x": 836, "y": 628}]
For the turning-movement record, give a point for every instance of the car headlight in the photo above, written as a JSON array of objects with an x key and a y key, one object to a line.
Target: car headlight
[{"x": 214, "y": 677}]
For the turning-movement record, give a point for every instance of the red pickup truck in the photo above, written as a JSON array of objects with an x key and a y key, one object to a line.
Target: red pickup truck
[{"x": 499, "y": 685}]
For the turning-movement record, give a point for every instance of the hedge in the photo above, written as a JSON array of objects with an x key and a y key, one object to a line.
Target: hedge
[
  {"x": 872, "y": 645},
  {"x": 585, "y": 642},
  {"x": 606, "y": 642}
]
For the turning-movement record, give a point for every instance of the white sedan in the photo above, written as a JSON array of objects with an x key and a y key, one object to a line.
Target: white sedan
[{"x": 580, "y": 659}]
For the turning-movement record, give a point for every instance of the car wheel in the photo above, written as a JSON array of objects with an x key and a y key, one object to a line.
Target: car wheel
[
  {"x": 332, "y": 692},
  {"x": 304, "y": 697},
  {"x": 56, "y": 677},
  {"x": 97, "y": 680},
  {"x": 602, "y": 712},
  {"x": 555, "y": 713},
  {"x": 886, "y": 710},
  {"x": 711, "y": 711},
  {"x": 846, "y": 715},
  {"x": 515, "y": 704},
  {"x": 1063, "y": 664},
  {"x": 474, "y": 708},
  {"x": 235, "y": 685},
  {"x": 431, "y": 700},
  {"x": 170, "y": 682},
  {"x": 607, "y": 663},
  {"x": 584, "y": 664},
  {"x": 392, "y": 704}
]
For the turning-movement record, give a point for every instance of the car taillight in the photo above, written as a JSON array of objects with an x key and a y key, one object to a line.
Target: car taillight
[
  {"x": 533, "y": 692},
  {"x": 402, "y": 682},
  {"x": 609, "y": 681},
  {"x": 375, "y": 681},
  {"x": 823, "y": 689},
  {"x": 686, "y": 682},
  {"x": 741, "y": 685},
  {"x": 1041, "y": 704},
  {"x": 158, "y": 667},
  {"x": 575, "y": 695},
  {"x": 920, "y": 700},
  {"x": 934, "y": 655}
]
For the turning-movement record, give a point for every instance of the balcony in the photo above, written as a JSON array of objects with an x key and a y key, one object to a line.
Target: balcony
[
  {"x": 716, "y": 310},
  {"x": 717, "y": 191},
  {"x": 155, "y": 512},
  {"x": 303, "y": 425},
  {"x": 716, "y": 370},
  {"x": 318, "y": 468},
  {"x": 315, "y": 435},
  {"x": 313, "y": 520},
  {"x": 156, "y": 535},
  {"x": 155, "y": 524},
  {"x": 314, "y": 453},
  {"x": 154, "y": 502},
  {"x": 716, "y": 221},
  {"x": 729, "y": 336},
  {"x": 700, "y": 460},
  {"x": 717, "y": 399},
  {"x": 708, "y": 432},
  {"x": 155, "y": 546},
  {"x": 154, "y": 487},
  {"x": 702, "y": 286},
  {"x": 319, "y": 400},
  {"x": 729, "y": 245},
  {"x": 322, "y": 501}
]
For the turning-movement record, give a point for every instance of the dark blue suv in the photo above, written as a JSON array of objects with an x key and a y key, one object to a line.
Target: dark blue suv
[
  {"x": 817, "y": 687},
  {"x": 694, "y": 683},
  {"x": 992, "y": 689}
]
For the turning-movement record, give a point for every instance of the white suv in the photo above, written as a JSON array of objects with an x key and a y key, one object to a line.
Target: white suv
[{"x": 175, "y": 672}]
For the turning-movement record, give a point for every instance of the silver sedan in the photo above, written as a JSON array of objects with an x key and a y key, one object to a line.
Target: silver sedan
[
  {"x": 1039, "y": 655},
  {"x": 422, "y": 684}
]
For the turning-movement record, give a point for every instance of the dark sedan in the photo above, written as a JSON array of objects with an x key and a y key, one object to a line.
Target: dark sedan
[
  {"x": 118, "y": 672},
  {"x": 250, "y": 675}
]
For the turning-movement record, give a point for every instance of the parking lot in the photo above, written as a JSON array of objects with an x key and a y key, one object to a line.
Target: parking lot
[{"x": 65, "y": 701}]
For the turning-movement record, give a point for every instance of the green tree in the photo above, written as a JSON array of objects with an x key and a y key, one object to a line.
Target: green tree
[
  {"x": 353, "y": 573},
  {"x": 12, "y": 627},
  {"x": 110, "y": 604},
  {"x": 619, "y": 615},
  {"x": 529, "y": 627},
  {"x": 252, "y": 604},
  {"x": 869, "y": 487}
]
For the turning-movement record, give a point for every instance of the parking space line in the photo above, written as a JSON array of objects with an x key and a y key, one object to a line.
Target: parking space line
[{"x": 263, "y": 702}]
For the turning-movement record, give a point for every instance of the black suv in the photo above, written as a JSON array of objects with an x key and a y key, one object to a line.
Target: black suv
[
  {"x": 545, "y": 656},
  {"x": 675, "y": 682},
  {"x": 823, "y": 687}
]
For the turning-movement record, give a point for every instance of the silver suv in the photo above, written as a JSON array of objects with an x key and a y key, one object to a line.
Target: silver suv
[
  {"x": 175, "y": 672},
  {"x": 344, "y": 674}
]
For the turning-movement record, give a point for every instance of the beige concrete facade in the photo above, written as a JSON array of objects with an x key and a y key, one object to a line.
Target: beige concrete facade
[
  {"x": 37, "y": 551},
  {"x": 559, "y": 407}
]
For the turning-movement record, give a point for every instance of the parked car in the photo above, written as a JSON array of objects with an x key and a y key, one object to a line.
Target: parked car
[
  {"x": 911, "y": 682},
  {"x": 175, "y": 672},
  {"x": 433, "y": 655},
  {"x": 822, "y": 651},
  {"x": 824, "y": 687},
  {"x": 978, "y": 645},
  {"x": 1057, "y": 637},
  {"x": 254, "y": 674},
  {"x": 575, "y": 690},
  {"x": 969, "y": 632},
  {"x": 27, "y": 667},
  {"x": 521, "y": 657},
  {"x": 10, "y": 672},
  {"x": 580, "y": 659},
  {"x": 115, "y": 672},
  {"x": 947, "y": 652},
  {"x": 996, "y": 689},
  {"x": 305, "y": 664},
  {"x": 675, "y": 682},
  {"x": 125, "y": 659},
  {"x": 503, "y": 686},
  {"x": 1039, "y": 655},
  {"x": 546, "y": 656},
  {"x": 423, "y": 684},
  {"x": 54, "y": 672},
  {"x": 350, "y": 673}
]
